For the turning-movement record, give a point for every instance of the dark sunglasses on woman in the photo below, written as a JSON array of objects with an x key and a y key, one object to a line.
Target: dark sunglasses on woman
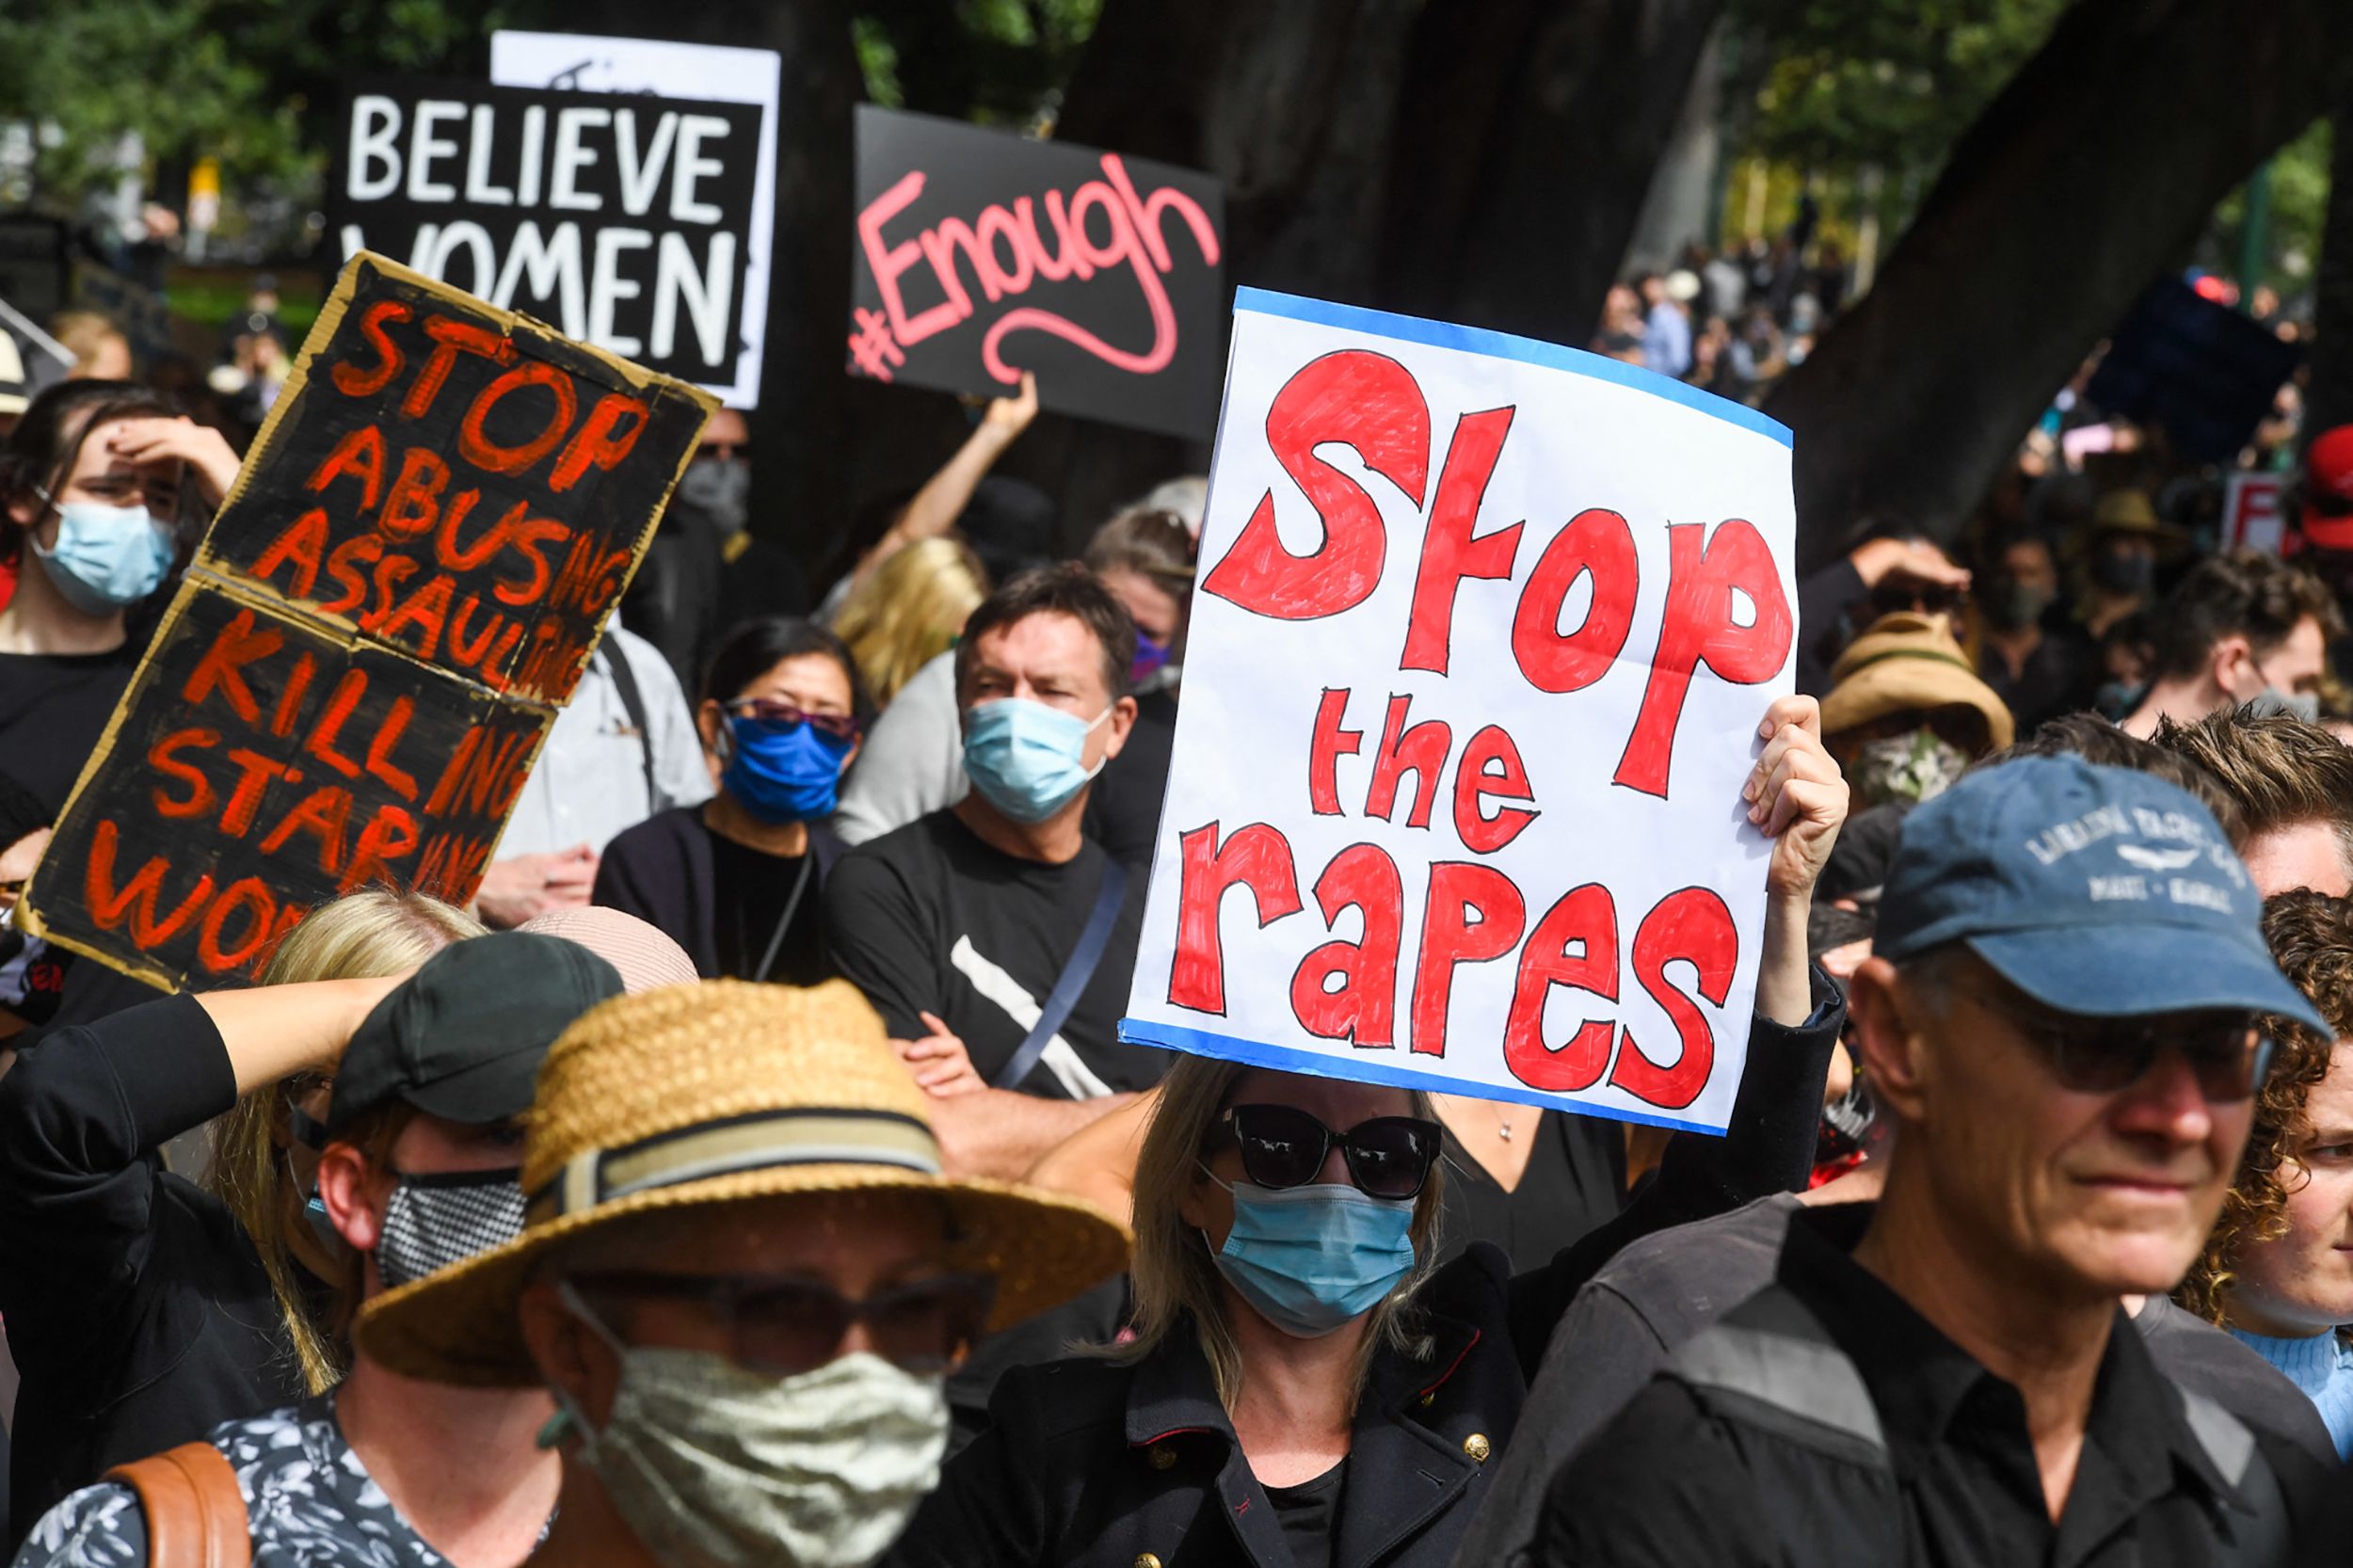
[
  {"x": 1389, "y": 1157},
  {"x": 783, "y": 716}
]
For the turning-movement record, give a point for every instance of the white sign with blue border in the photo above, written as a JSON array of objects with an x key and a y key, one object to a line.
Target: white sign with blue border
[{"x": 1481, "y": 637}]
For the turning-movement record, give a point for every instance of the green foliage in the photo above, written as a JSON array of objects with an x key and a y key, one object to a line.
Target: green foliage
[
  {"x": 2299, "y": 208},
  {"x": 253, "y": 82},
  {"x": 1835, "y": 85},
  {"x": 996, "y": 61}
]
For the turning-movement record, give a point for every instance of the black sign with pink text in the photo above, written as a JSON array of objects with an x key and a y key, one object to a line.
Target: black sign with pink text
[{"x": 980, "y": 254}]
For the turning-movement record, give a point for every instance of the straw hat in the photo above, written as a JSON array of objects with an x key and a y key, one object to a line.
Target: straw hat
[
  {"x": 1905, "y": 663},
  {"x": 716, "y": 1092},
  {"x": 2130, "y": 511}
]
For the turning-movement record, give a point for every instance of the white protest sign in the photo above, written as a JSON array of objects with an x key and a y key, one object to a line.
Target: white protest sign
[
  {"x": 2251, "y": 518},
  {"x": 584, "y": 63},
  {"x": 1482, "y": 636}
]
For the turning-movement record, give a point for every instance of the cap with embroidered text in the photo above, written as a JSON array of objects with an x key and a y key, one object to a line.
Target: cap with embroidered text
[{"x": 2099, "y": 891}]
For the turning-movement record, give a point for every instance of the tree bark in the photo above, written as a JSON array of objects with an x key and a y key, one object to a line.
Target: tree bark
[
  {"x": 2089, "y": 174},
  {"x": 800, "y": 495},
  {"x": 1525, "y": 139}
]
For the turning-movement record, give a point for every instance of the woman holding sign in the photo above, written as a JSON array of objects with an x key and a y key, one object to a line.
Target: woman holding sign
[
  {"x": 100, "y": 483},
  {"x": 1301, "y": 1366}
]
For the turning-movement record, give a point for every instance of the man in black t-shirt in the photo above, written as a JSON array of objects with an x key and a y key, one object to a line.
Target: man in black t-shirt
[{"x": 960, "y": 925}]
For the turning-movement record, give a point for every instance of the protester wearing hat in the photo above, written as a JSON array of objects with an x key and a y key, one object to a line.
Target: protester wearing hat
[
  {"x": 742, "y": 1277},
  {"x": 2241, "y": 627},
  {"x": 1650, "y": 1299},
  {"x": 1906, "y": 712},
  {"x": 2322, "y": 513},
  {"x": 416, "y": 1171},
  {"x": 2128, "y": 542},
  {"x": 2062, "y": 1017}
]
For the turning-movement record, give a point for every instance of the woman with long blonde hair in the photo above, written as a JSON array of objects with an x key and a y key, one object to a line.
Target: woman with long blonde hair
[
  {"x": 910, "y": 611},
  {"x": 258, "y": 1168}
]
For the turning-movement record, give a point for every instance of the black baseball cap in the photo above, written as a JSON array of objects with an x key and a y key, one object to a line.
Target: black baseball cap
[{"x": 462, "y": 1038}]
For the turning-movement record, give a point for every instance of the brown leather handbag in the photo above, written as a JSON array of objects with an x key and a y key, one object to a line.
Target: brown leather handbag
[{"x": 195, "y": 1512}]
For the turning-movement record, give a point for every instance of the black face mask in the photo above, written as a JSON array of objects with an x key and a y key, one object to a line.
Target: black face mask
[
  {"x": 435, "y": 1220},
  {"x": 2124, "y": 572}
]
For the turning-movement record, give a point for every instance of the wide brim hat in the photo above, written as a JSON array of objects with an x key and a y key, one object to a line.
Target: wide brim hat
[
  {"x": 1905, "y": 663},
  {"x": 721, "y": 1093},
  {"x": 2130, "y": 511}
]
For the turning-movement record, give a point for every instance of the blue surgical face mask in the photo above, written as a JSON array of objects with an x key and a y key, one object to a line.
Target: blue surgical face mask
[
  {"x": 1026, "y": 758},
  {"x": 783, "y": 775},
  {"x": 106, "y": 557},
  {"x": 1313, "y": 1258}
]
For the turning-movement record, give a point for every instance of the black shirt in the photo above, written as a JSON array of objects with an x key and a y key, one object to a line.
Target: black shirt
[
  {"x": 758, "y": 900},
  {"x": 929, "y": 918},
  {"x": 1123, "y": 813},
  {"x": 137, "y": 1307},
  {"x": 54, "y": 707},
  {"x": 1307, "y": 1514},
  {"x": 1573, "y": 1184},
  {"x": 1651, "y": 1298},
  {"x": 1679, "y": 1478}
]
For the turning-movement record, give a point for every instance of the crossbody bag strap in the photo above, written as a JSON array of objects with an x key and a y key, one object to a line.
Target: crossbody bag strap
[
  {"x": 1075, "y": 972},
  {"x": 632, "y": 703}
]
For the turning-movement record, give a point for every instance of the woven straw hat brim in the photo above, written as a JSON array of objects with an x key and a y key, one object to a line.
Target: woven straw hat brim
[
  {"x": 460, "y": 1326},
  {"x": 1899, "y": 684}
]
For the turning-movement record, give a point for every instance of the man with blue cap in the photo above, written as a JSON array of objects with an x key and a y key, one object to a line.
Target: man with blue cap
[{"x": 2061, "y": 1017}]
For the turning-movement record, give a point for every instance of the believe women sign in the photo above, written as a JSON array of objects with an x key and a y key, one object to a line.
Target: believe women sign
[{"x": 1483, "y": 636}]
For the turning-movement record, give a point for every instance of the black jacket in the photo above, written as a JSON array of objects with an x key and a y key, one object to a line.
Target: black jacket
[
  {"x": 661, "y": 872},
  {"x": 1092, "y": 1464},
  {"x": 1089, "y": 1461},
  {"x": 135, "y": 1305}
]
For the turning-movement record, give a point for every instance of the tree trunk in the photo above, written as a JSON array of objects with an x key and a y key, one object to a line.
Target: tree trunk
[
  {"x": 2092, "y": 169},
  {"x": 2329, "y": 396},
  {"x": 800, "y": 495},
  {"x": 1525, "y": 139}
]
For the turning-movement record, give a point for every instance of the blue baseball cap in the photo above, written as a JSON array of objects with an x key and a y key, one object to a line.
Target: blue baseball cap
[{"x": 2099, "y": 891}]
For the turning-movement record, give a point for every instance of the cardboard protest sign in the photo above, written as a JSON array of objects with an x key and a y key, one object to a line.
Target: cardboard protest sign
[
  {"x": 981, "y": 254},
  {"x": 455, "y": 482},
  {"x": 625, "y": 222},
  {"x": 1482, "y": 636},
  {"x": 411, "y": 570},
  {"x": 572, "y": 62}
]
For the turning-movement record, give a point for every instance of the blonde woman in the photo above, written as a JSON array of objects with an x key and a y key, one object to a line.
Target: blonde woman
[
  {"x": 260, "y": 1169},
  {"x": 910, "y": 611},
  {"x": 1303, "y": 1367},
  {"x": 141, "y": 1308}
]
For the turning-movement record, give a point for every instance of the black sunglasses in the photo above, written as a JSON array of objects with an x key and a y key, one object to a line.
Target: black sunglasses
[
  {"x": 785, "y": 716},
  {"x": 2228, "y": 1053},
  {"x": 1389, "y": 1157},
  {"x": 783, "y": 1327}
]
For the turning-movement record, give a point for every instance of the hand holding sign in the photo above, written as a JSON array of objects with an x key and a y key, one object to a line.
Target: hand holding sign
[{"x": 1471, "y": 723}]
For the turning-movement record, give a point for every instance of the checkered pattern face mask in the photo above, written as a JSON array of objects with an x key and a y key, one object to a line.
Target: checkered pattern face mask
[{"x": 435, "y": 1220}]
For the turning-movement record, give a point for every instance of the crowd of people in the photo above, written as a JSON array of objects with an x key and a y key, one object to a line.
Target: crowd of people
[{"x": 754, "y": 1173}]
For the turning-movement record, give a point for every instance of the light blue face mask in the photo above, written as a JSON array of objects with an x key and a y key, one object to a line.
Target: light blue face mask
[
  {"x": 1026, "y": 758},
  {"x": 1313, "y": 1258},
  {"x": 106, "y": 557}
]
